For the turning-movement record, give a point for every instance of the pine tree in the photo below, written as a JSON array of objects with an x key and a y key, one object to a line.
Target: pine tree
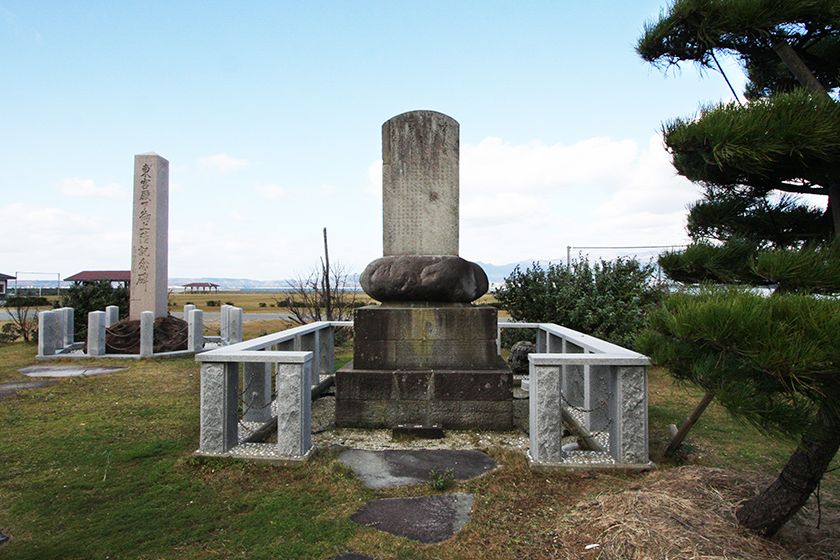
[{"x": 774, "y": 361}]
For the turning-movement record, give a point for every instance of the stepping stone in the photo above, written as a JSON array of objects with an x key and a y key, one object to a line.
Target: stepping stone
[
  {"x": 389, "y": 468},
  {"x": 427, "y": 519},
  {"x": 11, "y": 389},
  {"x": 351, "y": 556},
  {"x": 67, "y": 371}
]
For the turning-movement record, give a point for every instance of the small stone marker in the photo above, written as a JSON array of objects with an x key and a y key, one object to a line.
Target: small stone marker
[
  {"x": 96, "y": 333},
  {"x": 150, "y": 236},
  {"x": 50, "y": 332},
  {"x": 112, "y": 316},
  {"x": 147, "y": 333},
  {"x": 428, "y": 519}
]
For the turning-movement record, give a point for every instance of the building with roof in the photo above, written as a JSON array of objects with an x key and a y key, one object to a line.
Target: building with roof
[
  {"x": 4, "y": 280},
  {"x": 196, "y": 287},
  {"x": 114, "y": 276}
]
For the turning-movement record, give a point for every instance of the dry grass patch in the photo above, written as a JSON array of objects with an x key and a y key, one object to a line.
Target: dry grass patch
[{"x": 687, "y": 512}]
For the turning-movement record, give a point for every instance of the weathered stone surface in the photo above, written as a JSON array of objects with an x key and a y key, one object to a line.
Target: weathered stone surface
[
  {"x": 294, "y": 409},
  {"x": 68, "y": 371},
  {"x": 454, "y": 399},
  {"x": 256, "y": 392},
  {"x": 112, "y": 315},
  {"x": 427, "y": 519},
  {"x": 219, "y": 404},
  {"x": 545, "y": 423},
  {"x": 596, "y": 390},
  {"x": 427, "y": 278},
  {"x": 50, "y": 333},
  {"x": 150, "y": 236},
  {"x": 518, "y": 359},
  {"x": 420, "y": 184},
  {"x": 195, "y": 330},
  {"x": 629, "y": 413},
  {"x": 390, "y": 468},
  {"x": 425, "y": 337},
  {"x": 96, "y": 333},
  {"x": 67, "y": 317},
  {"x": 147, "y": 333},
  {"x": 11, "y": 389}
]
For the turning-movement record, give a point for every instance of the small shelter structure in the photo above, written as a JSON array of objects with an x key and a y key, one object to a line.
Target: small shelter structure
[
  {"x": 114, "y": 276},
  {"x": 4, "y": 279},
  {"x": 200, "y": 287}
]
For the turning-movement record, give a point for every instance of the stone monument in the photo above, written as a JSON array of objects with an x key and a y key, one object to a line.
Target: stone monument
[
  {"x": 150, "y": 236},
  {"x": 426, "y": 355}
]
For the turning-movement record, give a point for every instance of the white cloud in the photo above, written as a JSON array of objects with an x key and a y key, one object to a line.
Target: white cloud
[
  {"x": 53, "y": 239},
  {"x": 222, "y": 162},
  {"x": 75, "y": 186},
  {"x": 270, "y": 192}
]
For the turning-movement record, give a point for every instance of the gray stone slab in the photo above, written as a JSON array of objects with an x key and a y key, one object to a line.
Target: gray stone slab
[
  {"x": 67, "y": 371},
  {"x": 96, "y": 333},
  {"x": 389, "y": 468},
  {"x": 351, "y": 556},
  {"x": 420, "y": 184},
  {"x": 147, "y": 333},
  {"x": 427, "y": 519},
  {"x": 11, "y": 389}
]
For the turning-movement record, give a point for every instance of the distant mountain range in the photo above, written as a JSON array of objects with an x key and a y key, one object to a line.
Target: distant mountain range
[{"x": 496, "y": 274}]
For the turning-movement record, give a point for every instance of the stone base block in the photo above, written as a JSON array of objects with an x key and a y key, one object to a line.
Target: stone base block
[
  {"x": 419, "y": 337},
  {"x": 453, "y": 399}
]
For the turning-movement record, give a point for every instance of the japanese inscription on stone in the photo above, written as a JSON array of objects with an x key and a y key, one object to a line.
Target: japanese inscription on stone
[{"x": 149, "y": 266}]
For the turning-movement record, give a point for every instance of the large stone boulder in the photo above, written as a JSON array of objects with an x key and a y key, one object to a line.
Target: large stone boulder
[{"x": 428, "y": 278}]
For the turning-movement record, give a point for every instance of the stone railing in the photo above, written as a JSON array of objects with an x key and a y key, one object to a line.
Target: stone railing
[
  {"x": 56, "y": 337},
  {"x": 601, "y": 385},
  {"x": 299, "y": 356}
]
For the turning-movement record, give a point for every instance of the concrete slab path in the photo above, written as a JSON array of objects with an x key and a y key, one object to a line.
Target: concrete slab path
[{"x": 389, "y": 468}]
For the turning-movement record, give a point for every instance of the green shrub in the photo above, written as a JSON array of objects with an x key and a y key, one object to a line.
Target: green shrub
[
  {"x": 93, "y": 296},
  {"x": 608, "y": 299}
]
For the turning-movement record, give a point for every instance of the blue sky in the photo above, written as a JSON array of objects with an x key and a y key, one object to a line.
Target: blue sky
[{"x": 270, "y": 116}]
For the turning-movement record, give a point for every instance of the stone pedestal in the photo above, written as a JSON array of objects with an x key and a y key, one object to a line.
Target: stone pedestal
[
  {"x": 426, "y": 355},
  {"x": 425, "y": 364}
]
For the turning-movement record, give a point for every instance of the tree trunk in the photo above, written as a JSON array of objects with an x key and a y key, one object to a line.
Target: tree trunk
[
  {"x": 327, "y": 288},
  {"x": 766, "y": 513},
  {"x": 692, "y": 419}
]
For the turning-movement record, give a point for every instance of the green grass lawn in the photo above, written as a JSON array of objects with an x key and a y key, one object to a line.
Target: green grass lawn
[{"x": 101, "y": 467}]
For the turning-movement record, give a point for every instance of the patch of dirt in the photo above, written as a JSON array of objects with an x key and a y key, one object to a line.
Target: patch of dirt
[{"x": 689, "y": 512}]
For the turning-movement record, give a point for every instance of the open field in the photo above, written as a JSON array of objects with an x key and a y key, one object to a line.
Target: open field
[
  {"x": 250, "y": 301},
  {"x": 101, "y": 467}
]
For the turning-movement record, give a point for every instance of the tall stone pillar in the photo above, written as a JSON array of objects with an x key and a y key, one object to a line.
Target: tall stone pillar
[
  {"x": 425, "y": 355},
  {"x": 150, "y": 236},
  {"x": 420, "y": 184}
]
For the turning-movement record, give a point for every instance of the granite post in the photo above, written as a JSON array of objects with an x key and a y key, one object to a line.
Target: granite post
[
  {"x": 150, "y": 236},
  {"x": 50, "y": 333},
  {"x": 256, "y": 392},
  {"x": 195, "y": 330},
  {"x": 545, "y": 426},
  {"x": 294, "y": 408},
  {"x": 112, "y": 316},
  {"x": 629, "y": 414},
  {"x": 147, "y": 333},
  {"x": 219, "y": 403},
  {"x": 96, "y": 333},
  {"x": 67, "y": 317}
]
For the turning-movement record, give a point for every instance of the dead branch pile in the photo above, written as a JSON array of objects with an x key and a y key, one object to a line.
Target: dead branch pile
[{"x": 124, "y": 337}]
